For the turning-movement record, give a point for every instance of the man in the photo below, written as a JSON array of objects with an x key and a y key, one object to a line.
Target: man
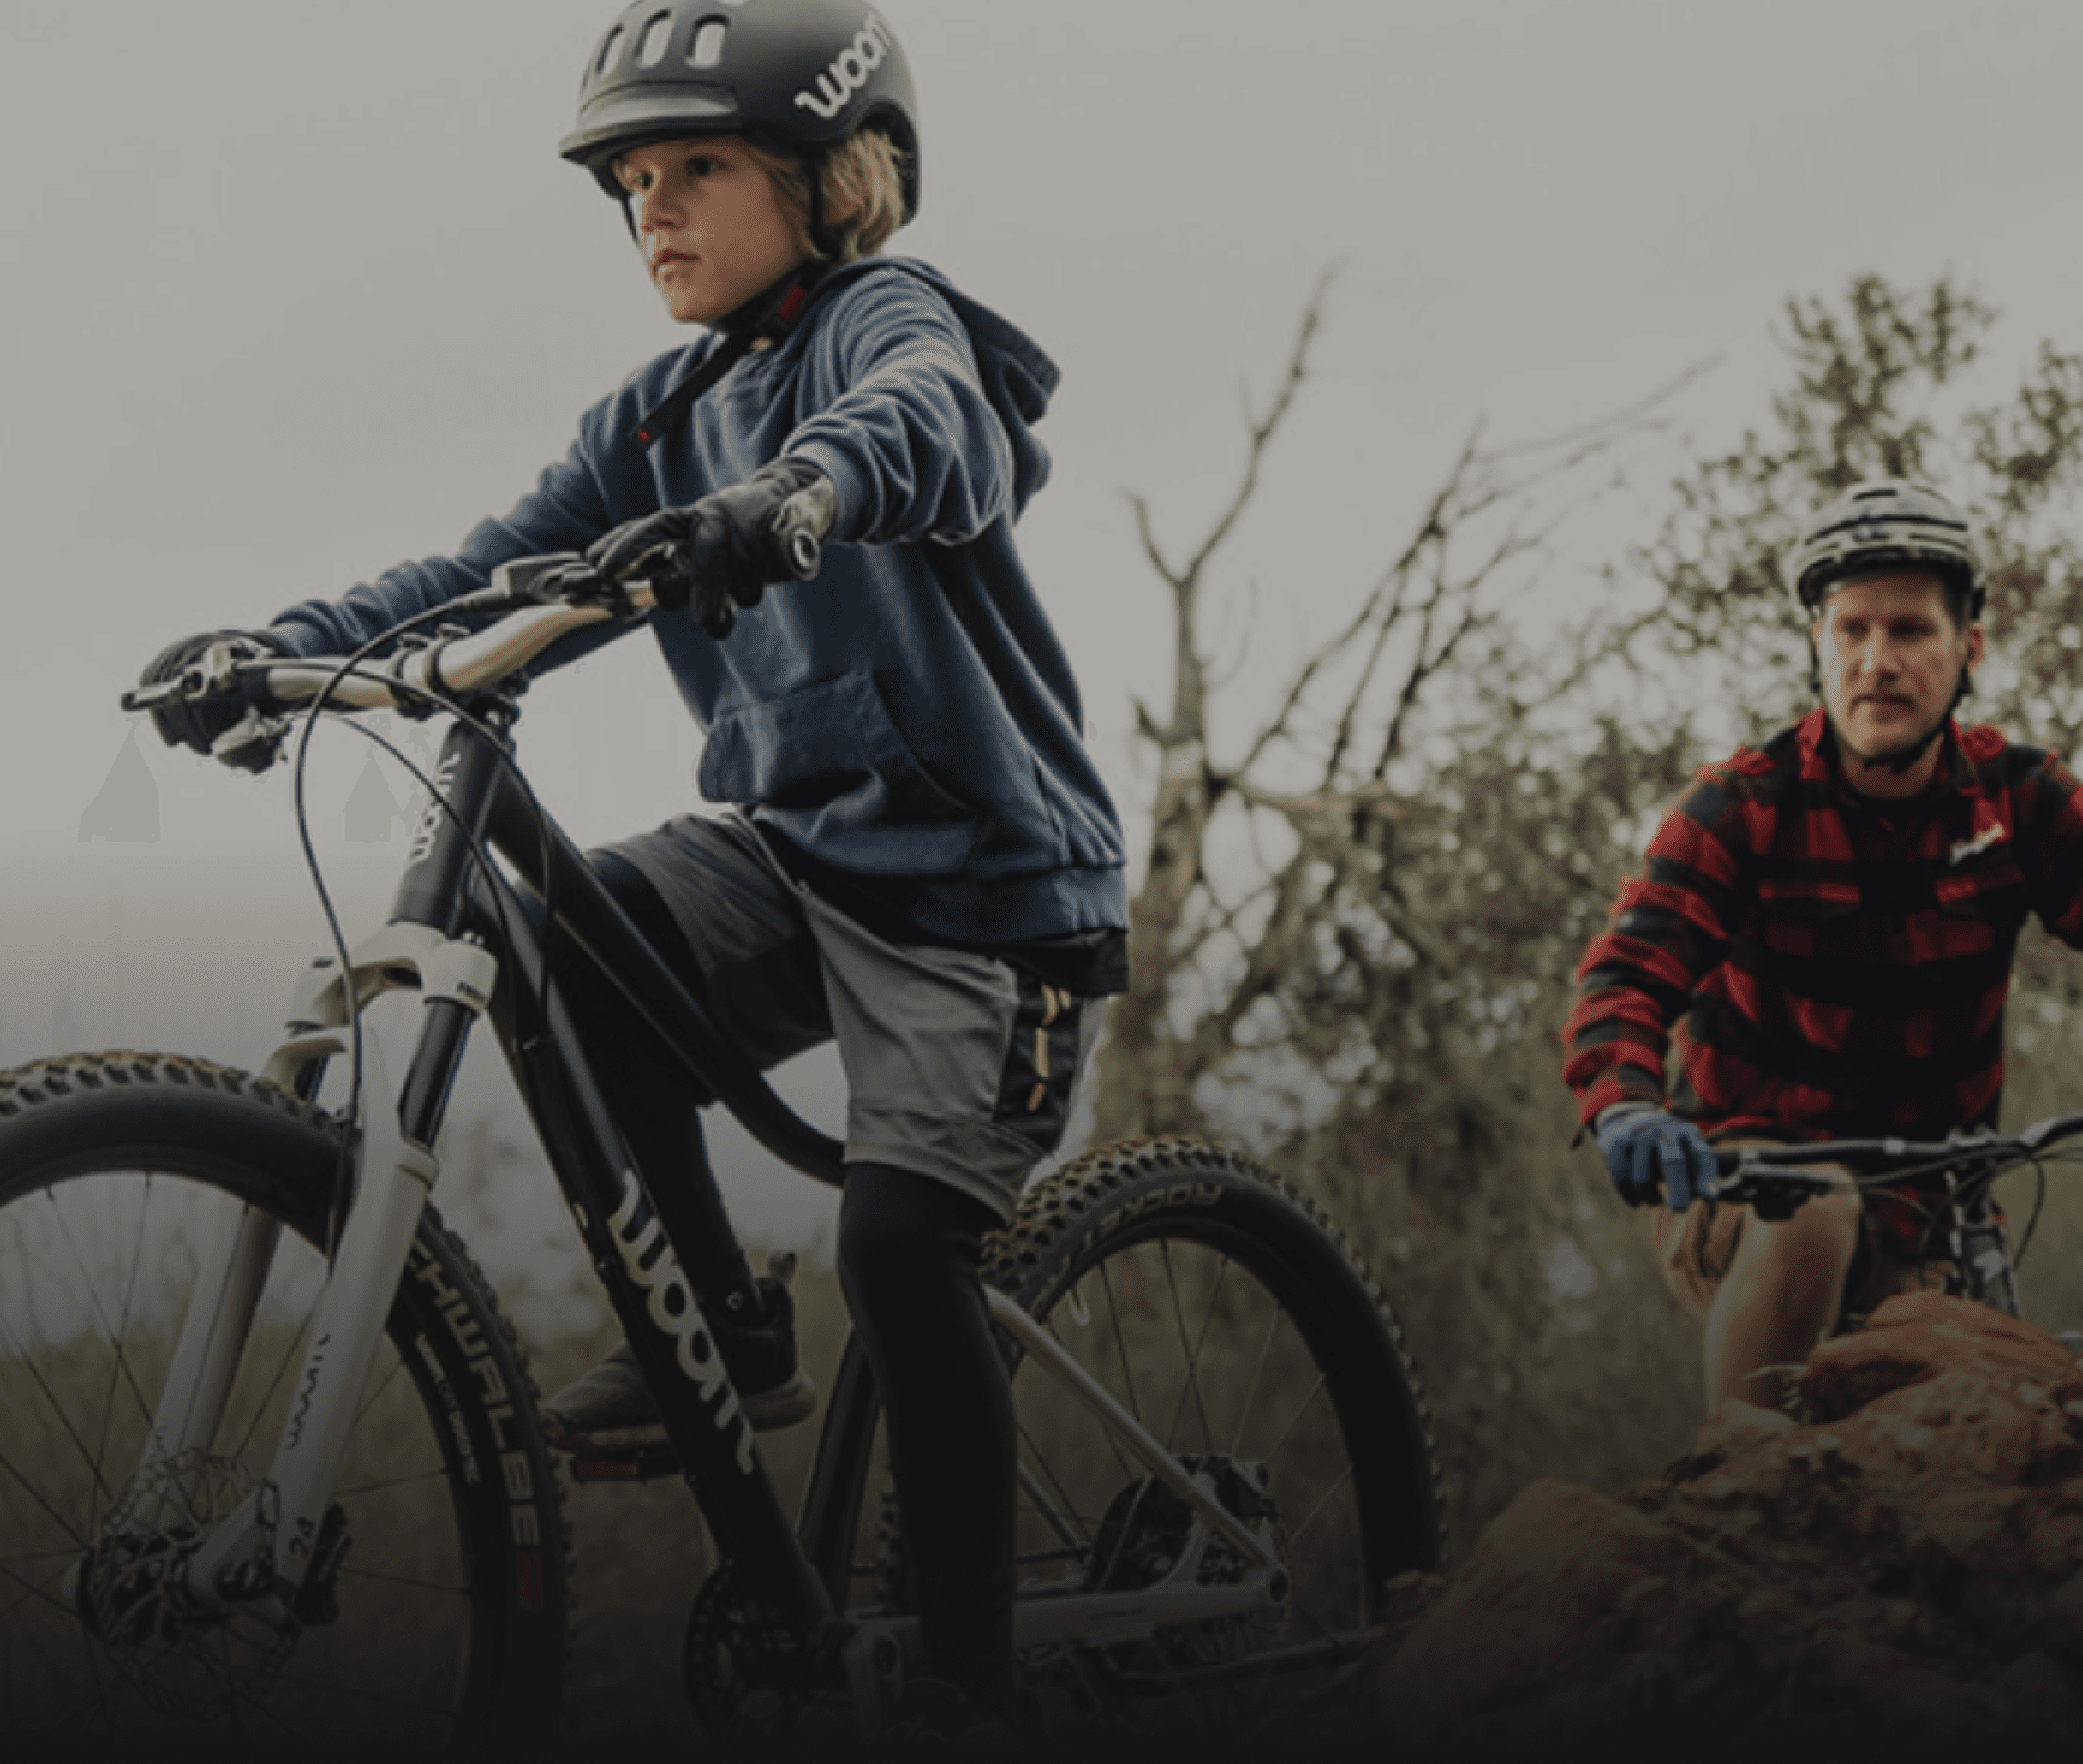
[{"x": 1833, "y": 916}]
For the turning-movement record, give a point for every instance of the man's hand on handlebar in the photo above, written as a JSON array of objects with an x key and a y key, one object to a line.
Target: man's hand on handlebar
[
  {"x": 719, "y": 553},
  {"x": 1649, "y": 1151},
  {"x": 197, "y": 719}
]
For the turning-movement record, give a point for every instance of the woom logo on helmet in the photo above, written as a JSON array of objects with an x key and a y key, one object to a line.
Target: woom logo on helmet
[{"x": 849, "y": 71}]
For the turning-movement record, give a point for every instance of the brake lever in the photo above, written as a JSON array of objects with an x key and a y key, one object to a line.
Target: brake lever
[
  {"x": 252, "y": 743},
  {"x": 149, "y": 698},
  {"x": 213, "y": 674},
  {"x": 555, "y": 579}
]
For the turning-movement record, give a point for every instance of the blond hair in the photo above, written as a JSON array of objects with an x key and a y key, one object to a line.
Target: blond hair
[{"x": 863, "y": 192}]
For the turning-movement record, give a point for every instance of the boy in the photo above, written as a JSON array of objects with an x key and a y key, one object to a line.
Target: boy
[{"x": 920, "y": 860}]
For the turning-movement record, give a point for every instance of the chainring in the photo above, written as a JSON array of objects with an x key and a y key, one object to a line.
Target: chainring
[{"x": 742, "y": 1671}]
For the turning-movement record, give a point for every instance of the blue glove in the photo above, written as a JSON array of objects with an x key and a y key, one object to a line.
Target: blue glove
[{"x": 1646, "y": 1150}]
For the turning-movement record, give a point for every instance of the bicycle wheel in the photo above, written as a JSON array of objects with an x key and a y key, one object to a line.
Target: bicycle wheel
[
  {"x": 1232, "y": 1320},
  {"x": 439, "y": 1617}
]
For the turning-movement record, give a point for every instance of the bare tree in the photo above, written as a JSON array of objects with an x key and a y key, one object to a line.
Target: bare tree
[{"x": 1291, "y": 958}]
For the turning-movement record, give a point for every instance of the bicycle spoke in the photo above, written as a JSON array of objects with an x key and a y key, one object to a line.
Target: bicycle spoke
[
  {"x": 116, "y": 1360},
  {"x": 1259, "y": 1372},
  {"x": 93, "y": 1292},
  {"x": 1050, "y": 1512},
  {"x": 1294, "y": 1421},
  {"x": 347, "y": 1491},
  {"x": 371, "y": 1395},
  {"x": 1120, "y": 1339},
  {"x": 1114, "y": 1445},
  {"x": 64, "y": 1421},
  {"x": 37, "y": 1592},
  {"x": 1190, "y": 1387},
  {"x": 354, "y": 1571}
]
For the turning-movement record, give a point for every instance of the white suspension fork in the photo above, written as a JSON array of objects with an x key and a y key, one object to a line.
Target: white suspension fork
[{"x": 264, "y": 1548}]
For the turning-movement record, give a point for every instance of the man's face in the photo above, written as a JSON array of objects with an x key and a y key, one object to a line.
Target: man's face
[
  {"x": 713, "y": 232},
  {"x": 1891, "y": 656}
]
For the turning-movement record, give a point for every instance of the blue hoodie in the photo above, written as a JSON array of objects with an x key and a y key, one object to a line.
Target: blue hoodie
[{"x": 909, "y": 718}]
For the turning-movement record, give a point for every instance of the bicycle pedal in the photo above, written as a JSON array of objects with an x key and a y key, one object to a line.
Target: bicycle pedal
[{"x": 646, "y": 1463}]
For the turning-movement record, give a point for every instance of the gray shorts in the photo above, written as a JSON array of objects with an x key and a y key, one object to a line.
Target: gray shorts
[{"x": 958, "y": 1066}]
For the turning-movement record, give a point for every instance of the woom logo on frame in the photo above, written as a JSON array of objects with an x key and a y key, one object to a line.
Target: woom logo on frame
[{"x": 654, "y": 1266}]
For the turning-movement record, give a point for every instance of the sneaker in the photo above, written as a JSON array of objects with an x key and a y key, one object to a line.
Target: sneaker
[{"x": 611, "y": 1409}]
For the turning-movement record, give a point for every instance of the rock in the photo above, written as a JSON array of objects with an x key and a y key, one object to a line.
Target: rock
[{"x": 1902, "y": 1549}]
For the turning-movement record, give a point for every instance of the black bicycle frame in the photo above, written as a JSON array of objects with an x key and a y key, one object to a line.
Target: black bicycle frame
[{"x": 626, "y": 1216}]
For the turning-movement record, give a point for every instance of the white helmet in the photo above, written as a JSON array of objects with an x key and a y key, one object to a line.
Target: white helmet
[{"x": 1886, "y": 524}]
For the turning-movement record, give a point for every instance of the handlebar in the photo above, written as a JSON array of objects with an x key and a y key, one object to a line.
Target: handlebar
[
  {"x": 1776, "y": 1179},
  {"x": 544, "y": 599}
]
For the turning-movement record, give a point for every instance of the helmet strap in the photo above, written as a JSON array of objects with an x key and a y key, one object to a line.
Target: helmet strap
[
  {"x": 1902, "y": 762},
  {"x": 820, "y": 238},
  {"x": 767, "y": 315}
]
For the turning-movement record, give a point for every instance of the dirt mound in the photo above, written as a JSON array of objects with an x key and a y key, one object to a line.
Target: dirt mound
[{"x": 1903, "y": 1549}]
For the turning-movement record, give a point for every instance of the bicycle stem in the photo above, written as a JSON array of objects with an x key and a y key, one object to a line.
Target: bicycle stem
[{"x": 1982, "y": 1252}]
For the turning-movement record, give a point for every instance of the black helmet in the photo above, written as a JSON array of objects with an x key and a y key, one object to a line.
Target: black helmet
[
  {"x": 1887, "y": 523},
  {"x": 803, "y": 74}
]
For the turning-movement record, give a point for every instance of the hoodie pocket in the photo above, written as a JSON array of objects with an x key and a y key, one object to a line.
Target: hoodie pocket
[{"x": 829, "y": 767}]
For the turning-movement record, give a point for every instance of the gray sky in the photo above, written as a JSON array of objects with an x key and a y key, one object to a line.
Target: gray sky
[{"x": 294, "y": 292}]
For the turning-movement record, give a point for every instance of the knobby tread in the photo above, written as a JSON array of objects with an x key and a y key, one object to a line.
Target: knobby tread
[{"x": 62, "y": 1076}]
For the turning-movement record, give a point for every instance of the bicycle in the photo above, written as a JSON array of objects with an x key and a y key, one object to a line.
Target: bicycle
[
  {"x": 1942, "y": 1187},
  {"x": 272, "y": 1459}
]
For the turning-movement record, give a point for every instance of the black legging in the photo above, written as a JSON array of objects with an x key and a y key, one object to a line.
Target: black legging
[{"x": 908, "y": 1252}]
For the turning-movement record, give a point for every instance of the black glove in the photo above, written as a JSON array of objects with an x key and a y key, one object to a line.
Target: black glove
[
  {"x": 198, "y": 722},
  {"x": 715, "y": 555}
]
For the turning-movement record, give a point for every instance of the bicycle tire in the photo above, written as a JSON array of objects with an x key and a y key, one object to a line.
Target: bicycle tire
[
  {"x": 449, "y": 1625},
  {"x": 1134, "y": 1257}
]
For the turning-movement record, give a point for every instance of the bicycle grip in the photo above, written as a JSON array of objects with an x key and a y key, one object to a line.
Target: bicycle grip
[{"x": 800, "y": 525}]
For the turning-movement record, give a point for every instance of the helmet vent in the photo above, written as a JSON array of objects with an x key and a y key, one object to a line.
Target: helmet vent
[
  {"x": 708, "y": 44},
  {"x": 609, "y": 50},
  {"x": 651, "y": 50}
]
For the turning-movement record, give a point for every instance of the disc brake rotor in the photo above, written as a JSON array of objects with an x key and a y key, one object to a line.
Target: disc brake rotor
[{"x": 181, "y": 1656}]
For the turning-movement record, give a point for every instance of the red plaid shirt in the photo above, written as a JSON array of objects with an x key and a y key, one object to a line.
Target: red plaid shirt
[{"x": 1839, "y": 963}]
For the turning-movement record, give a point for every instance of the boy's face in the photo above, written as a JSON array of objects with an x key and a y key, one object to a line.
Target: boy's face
[{"x": 713, "y": 233}]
